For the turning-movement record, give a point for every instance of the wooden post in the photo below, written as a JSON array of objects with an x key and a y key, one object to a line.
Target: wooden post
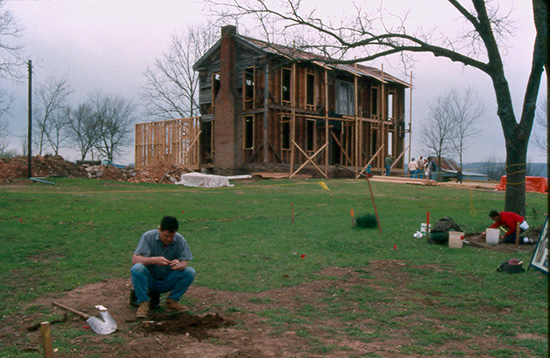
[
  {"x": 356, "y": 163},
  {"x": 517, "y": 234},
  {"x": 410, "y": 116},
  {"x": 292, "y": 125},
  {"x": 266, "y": 112},
  {"x": 427, "y": 224},
  {"x": 46, "y": 339},
  {"x": 326, "y": 122}
]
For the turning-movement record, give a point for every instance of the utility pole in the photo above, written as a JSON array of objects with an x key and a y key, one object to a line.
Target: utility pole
[{"x": 29, "y": 139}]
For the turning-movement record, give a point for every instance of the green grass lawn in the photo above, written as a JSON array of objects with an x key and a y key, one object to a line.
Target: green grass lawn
[{"x": 80, "y": 231}]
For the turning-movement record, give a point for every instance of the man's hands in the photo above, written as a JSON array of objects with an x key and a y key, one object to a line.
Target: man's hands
[
  {"x": 178, "y": 265},
  {"x": 161, "y": 261},
  {"x": 174, "y": 264}
]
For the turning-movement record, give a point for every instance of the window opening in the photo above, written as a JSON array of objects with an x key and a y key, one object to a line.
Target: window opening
[
  {"x": 374, "y": 101},
  {"x": 286, "y": 83},
  {"x": 248, "y": 132},
  {"x": 248, "y": 85},
  {"x": 310, "y": 134},
  {"x": 310, "y": 90},
  {"x": 216, "y": 78},
  {"x": 344, "y": 98},
  {"x": 285, "y": 132},
  {"x": 390, "y": 106}
]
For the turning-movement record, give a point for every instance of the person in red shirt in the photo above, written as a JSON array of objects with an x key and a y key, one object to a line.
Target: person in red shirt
[{"x": 510, "y": 221}]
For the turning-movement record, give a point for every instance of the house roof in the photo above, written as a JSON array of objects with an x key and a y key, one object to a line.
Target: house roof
[
  {"x": 299, "y": 55},
  {"x": 446, "y": 164}
]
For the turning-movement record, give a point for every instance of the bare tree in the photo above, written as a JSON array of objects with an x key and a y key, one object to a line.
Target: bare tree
[
  {"x": 82, "y": 129},
  {"x": 47, "y": 112},
  {"x": 10, "y": 52},
  {"x": 10, "y": 49},
  {"x": 480, "y": 45},
  {"x": 171, "y": 87},
  {"x": 113, "y": 117},
  {"x": 466, "y": 110},
  {"x": 57, "y": 134},
  {"x": 438, "y": 131},
  {"x": 5, "y": 103}
]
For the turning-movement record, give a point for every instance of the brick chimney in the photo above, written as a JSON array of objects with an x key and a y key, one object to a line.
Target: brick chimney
[{"x": 227, "y": 136}]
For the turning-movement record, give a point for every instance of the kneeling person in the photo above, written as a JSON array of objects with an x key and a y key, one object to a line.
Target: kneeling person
[
  {"x": 510, "y": 221},
  {"x": 160, "y": 265}
]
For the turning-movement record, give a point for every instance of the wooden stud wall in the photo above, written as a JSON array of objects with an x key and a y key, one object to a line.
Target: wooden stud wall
[{"x": 173, "y": 141}]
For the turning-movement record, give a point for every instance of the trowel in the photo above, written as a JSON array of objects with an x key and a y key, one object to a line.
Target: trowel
[{"x": 104, "y": 324}]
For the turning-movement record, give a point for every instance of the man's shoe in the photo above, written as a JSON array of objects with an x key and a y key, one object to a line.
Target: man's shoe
[
  {"x": 174, "y": 306},
  {"x": 142, "y": 310}
]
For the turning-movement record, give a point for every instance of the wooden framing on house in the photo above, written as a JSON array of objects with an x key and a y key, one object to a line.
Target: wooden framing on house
[{"x": 276, "y": 108}]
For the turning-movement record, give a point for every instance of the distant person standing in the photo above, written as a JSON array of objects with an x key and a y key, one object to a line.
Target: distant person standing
[
  {"x": 387, "y": 163},
  {"x": 413, "y": 166},
  {"x": 431, "y": 167},
  {"x": 420, "y": 168}
]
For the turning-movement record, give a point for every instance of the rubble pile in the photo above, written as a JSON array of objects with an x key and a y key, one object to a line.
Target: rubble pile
[
  {"x": 56, "y": 166},
  {"x": 109, "y": 172},
  {"x": 42, "y": 166},
  {"x": 159, "y": 173}
]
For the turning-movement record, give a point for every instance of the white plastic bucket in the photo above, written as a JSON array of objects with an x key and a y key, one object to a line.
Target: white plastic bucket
[
  {"x": 492, "y": 235},
  {"x": 455, "y": 239}
]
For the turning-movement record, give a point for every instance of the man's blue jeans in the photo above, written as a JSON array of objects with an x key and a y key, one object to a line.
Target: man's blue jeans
[{"x": 177, "y": 282}]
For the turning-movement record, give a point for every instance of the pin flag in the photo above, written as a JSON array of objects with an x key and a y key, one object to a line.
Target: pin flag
[
  {"x": 324, "y": 186},
  {"x": 395, "y": 247},
  {"x": 302, "y": 256},
  {"x": 183, "y": 211},
  {"x": 20, "y": 220}
]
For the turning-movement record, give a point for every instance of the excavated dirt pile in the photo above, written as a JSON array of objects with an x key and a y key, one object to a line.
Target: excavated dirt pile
[
  {"x": 42, "y": 166},
  {"x": 55, "y": 166}
]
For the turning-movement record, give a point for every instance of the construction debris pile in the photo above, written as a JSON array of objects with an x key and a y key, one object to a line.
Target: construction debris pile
[
  {"x": 55, "y": 166},
  {"x": 160, "y": 173}
]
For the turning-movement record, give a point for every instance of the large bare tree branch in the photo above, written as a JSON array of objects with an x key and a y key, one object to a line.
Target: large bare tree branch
[{"x": 480, "y": 44}]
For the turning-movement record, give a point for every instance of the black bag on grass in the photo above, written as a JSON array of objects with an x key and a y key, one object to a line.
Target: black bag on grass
[{"x": 511, "y": 266}]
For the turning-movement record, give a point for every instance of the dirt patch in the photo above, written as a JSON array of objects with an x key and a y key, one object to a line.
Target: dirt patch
[{"x": 274, "y": 323}]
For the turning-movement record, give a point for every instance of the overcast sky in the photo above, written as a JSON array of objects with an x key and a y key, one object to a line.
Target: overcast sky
[{"x": 106, "y": 46}]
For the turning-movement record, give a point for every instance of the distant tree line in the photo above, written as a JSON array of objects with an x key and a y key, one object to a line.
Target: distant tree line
[{"x": 99, "y": 126}]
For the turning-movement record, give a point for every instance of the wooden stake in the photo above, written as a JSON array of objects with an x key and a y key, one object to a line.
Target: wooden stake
[
  {"x": 427, "y": 223},
  {"x": 517, "y": 234},
  {"x": 46, "y": 339}
]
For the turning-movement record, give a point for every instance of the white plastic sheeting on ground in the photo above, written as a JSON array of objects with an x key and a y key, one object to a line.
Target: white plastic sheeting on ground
[{"x": 203, "y": 180}]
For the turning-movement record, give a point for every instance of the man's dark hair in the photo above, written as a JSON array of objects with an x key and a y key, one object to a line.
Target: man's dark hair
[
  {"x": 169, "y": 223},
  {"x": 493, "y": 214}
]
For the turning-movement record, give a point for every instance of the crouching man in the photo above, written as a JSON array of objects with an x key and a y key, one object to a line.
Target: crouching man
[
  {"x": 160, "y": 265},
  {"x": 510, "y": 221}
]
